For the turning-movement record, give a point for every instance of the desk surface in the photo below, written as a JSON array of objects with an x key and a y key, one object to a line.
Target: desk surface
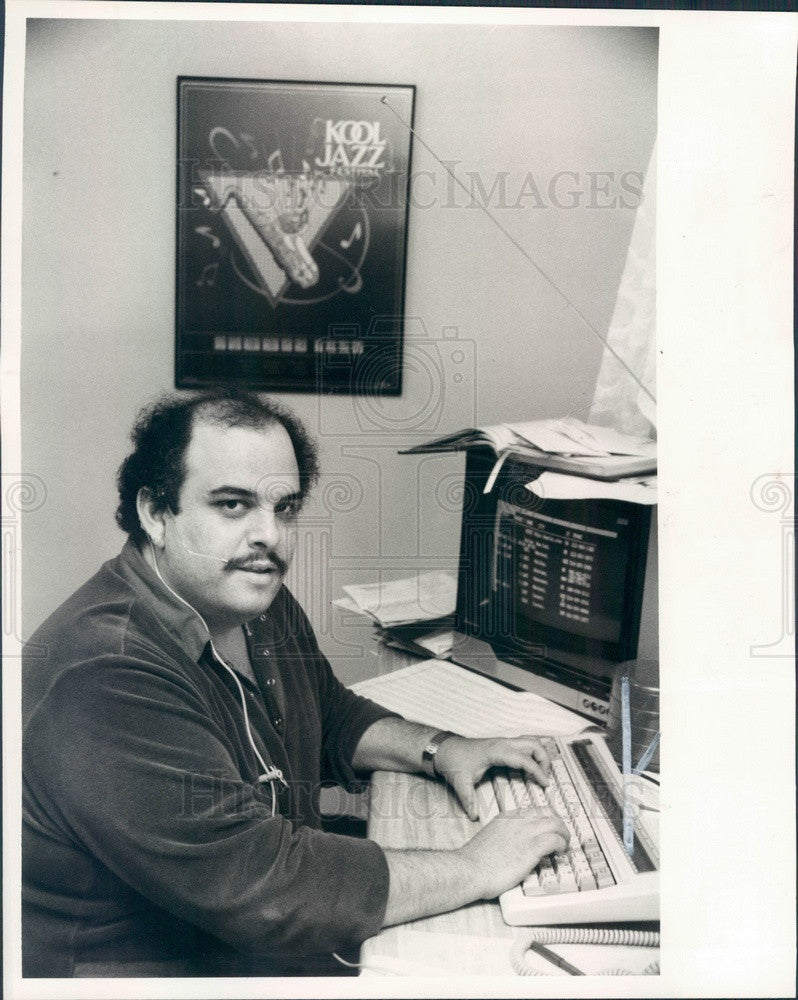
[
  {"x": 407, "y": 811},
  {"x": 411, "y": 811}
]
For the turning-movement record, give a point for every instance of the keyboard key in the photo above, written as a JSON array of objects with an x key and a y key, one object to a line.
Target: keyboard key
[
  {"x": 548, "y": 877},
  {"x": 586, "y": 880},
  {"x": 556, "y": 801},
  {"x": 537, "y": 794},
  {"x": 570, "y": 797},
  {"x": 560, "y": 771},
  {"x": 578, "y": 859},
  {"x": 603, "y": 876},
  {"x": 599, "y": 867},
  {"x": 504, "y": 796},
  {"x": 531, "y": 885},
  {"x": 520, "y": 794},
  {"x": 585, "y": 833},
  {"x": 595, "y": 856},
  {"x": 573, "y": 839},
  {"x": 565, "y": 873}
]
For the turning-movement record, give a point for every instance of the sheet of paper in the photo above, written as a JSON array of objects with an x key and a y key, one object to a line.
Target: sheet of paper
[
  {"x": 441, "y": 694},
  {"x": 417, "y": 598},
  {"x": 604, "y": 439},
  {"x": 347, "y": 604},
  {"x": 545, "y": 435},
  {"x": 555, "y": 486},
  {"x": 391, "y": 642}
]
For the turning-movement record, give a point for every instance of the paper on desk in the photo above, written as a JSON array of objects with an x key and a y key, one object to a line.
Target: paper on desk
[
  {"x": 347, "y": 604},
  {"x": 569, "y": 436},
  {"x": 441, "y": 694},
  {"x": 438, "y": 643},
  {"x": 417, "y": 598},
  {"x": 435, "y": 953},
  {"x": 554, "y": 486}
]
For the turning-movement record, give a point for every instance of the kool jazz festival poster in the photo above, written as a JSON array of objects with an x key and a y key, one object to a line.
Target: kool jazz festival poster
[{"x": 291, "y": 234}]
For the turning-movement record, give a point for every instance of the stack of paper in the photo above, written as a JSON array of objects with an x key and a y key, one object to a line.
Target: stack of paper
[
  {"x": 564, "y": 436},
  {"x": 437, "y": 641},
  {"x": 420, "y": 598},
  {"x": 441, "y": 694},
  {"x": 565, "y": 444},
  {"x": 553, "y": 486},
  {"x": 569, "y": 436}
]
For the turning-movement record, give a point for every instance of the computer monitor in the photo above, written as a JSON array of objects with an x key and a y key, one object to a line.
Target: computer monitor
[{"x": 553, "y": 587}]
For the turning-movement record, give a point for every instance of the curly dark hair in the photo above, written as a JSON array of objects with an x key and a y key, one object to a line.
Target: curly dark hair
[{"x": 162, "y": 433}]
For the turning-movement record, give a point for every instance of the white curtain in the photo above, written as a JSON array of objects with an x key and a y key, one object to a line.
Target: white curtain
[{"x": 618, "y": 400}]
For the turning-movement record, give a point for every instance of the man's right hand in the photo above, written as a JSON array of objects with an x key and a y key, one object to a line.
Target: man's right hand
[
  {"x": 499, "y": 857},
  {"x": 506, "y": 850}
]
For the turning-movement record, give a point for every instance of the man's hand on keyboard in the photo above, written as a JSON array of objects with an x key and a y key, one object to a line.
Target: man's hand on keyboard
[
  {"x": 463, "y": 762},
  {"x": 506, "y": 850}
]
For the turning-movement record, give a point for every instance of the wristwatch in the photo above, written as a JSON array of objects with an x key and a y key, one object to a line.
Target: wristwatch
[{"x": 429, "y": 751}]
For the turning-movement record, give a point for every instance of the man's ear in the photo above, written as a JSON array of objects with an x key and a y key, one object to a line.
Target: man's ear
[{"x": 150, "y": 517}]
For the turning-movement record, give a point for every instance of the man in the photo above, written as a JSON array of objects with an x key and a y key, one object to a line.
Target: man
[{"x": 179, "y": 720}]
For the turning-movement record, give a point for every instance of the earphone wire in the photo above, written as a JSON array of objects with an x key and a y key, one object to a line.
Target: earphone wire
[
  {"x": 270, "y": 773},
  {"x": 200, "y": 555},
  {"x": 522, "y": 250}
]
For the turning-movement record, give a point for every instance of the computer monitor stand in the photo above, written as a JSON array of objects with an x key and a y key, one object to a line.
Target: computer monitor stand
[{"x": 476, "y": 654}]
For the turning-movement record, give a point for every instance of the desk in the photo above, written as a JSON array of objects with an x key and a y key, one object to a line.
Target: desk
[{"x": 415, "y": 812}]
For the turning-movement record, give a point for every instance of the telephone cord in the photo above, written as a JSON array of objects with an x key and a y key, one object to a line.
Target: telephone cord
[{"x": 581, "y": 935}]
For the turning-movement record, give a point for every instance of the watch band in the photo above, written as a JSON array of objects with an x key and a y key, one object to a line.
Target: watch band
[{"x": 429, "y": 751}]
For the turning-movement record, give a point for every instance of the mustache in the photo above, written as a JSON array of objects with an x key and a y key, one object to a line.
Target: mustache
[{"x": 258, "y": 560}]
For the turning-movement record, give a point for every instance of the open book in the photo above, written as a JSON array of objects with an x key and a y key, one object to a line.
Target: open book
[{"x": 565, "y": 444}]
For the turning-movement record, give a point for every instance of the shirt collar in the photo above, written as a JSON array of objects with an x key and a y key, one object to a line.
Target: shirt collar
[{"x": 182, "y": 622}]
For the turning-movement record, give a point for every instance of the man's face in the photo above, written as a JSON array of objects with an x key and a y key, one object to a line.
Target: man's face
[{"x": 228, "y": 549}]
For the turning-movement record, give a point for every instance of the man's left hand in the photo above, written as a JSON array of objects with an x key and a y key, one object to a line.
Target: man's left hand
[{"x": 463, "y": 762}]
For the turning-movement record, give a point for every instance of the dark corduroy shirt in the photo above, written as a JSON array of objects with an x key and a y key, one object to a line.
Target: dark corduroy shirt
[{"x": 148, "y": 845}]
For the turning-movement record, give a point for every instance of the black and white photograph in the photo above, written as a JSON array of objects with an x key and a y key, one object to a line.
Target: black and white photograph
[{"x": 397, "y": 501}]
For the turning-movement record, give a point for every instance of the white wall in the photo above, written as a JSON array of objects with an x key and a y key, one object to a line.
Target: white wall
[{"x": 487, "y": 340}]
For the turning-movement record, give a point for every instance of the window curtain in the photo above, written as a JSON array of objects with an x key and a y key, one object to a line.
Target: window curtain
[{"x": 618, "y": 400}]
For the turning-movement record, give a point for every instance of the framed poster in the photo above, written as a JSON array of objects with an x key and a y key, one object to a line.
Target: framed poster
[{"x": 291, "y": 234}]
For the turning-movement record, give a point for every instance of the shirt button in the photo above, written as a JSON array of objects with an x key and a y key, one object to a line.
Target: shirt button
[
  {"x": 262, "y": 617},
  {"x": 278, "y": 722},
  {"x": 269, "y": 681}
]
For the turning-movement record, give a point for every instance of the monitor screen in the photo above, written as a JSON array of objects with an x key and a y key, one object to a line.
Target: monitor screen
[
  {"x": 565, "y": 573},
  {"x": 549, "y": 578}
]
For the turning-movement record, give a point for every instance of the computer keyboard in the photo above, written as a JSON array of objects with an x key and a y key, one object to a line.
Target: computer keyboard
[{"x": 594, "y": 880}]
